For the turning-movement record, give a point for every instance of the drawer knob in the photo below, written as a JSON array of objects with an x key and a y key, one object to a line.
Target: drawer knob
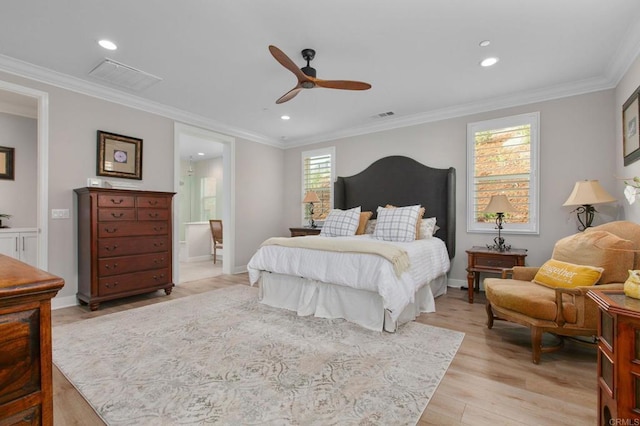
[
  {"x": 115, "y": 265},
  {"x": 153, "y": 214},
  {"x": 111, "y": 285},
  {"x": 117, "y": 215},
  {"x": 153, "y": 203},
  {"x": 158, "y": 228},
  {"x": 158, "y": 244},
  {"x": 110, "y": 230},
  {"x": 119, "y": 201},
  {"x": 111, "y": 248}
]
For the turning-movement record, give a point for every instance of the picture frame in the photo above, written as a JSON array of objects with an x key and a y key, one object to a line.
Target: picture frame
[
  {"x": 7, "y": 163},
  {"x": 119, "y": 156},
  {"x": 630, "y": 130}
]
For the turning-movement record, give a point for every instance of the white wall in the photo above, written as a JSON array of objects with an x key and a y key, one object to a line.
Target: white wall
[
  {"x": 259, "y": 197},
  {"x": 73, "y": 121},
  {"x": 625, "y": 88},
  {"x": 18, "y": 197},
  {"x": 577, "y": 142}
]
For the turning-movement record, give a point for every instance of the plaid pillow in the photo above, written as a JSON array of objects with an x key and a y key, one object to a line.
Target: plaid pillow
[
  {"x": 397, "y": 224},
  {"x": 341, "y": 223}
]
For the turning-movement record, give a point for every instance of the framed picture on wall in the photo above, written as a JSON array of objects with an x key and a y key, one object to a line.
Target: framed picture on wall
[
  {"x": 119, "y": 156},
  {"x": 630, "y": 135},
  {"x": 7, "y": 163}
]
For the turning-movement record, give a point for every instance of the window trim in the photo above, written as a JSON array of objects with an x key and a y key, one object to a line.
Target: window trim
[
  {"x": 330, "y": 150},
  {"x": 533, "y": 227}
]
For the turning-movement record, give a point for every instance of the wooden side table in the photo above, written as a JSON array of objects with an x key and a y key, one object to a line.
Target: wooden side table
[
  {"x": 618, "y": 357},
  {"x": 482, "y": 259},
  {"x": 302, "y": 231}
]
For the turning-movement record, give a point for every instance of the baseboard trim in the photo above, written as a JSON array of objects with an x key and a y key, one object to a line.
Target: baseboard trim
[{"x": 63, "y": 302}]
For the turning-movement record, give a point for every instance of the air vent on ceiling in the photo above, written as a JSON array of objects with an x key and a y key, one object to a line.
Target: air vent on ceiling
[
  {"x": 383, "y": 114},
  {"x": 123, "y": 75}
]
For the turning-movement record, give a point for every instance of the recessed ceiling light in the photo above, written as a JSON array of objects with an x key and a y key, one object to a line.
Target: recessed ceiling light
[
  {"x": 109, "y": 45},
  {"x": 489, "y": 62},
  {"x": 285, "y": 117},
  {"x": 484, "y": 43},
  {"x": 201, "y": 153}
]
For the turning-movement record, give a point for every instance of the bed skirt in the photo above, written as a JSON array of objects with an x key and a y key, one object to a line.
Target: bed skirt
[{"x": 324, "y": 300}]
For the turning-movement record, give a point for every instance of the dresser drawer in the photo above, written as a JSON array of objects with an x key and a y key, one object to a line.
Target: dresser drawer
[
  {"x": 116, "y": 200},
  {"x": 105, "y": 215},
  {"x": 30, "y": 416},
  {"x": 111, "y": 247},
  {"x": 20, "y": 356},
  {"x": 153, "y": 202},
  {"x": 495, "y": 261},
  {"x": 123, "y": 265},
  {"x": 131, "y": 282},
  {"x": 153, "y": 214},
  {"x": 132, "y": 229}
]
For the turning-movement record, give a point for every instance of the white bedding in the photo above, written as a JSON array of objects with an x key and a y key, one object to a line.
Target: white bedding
[{"x": 428, "y": 258}]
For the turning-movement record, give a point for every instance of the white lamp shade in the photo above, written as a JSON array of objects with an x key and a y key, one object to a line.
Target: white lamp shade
[
  {"x": 311, "y": 197},
  {"x": 588, "y": 192},
  {"x": 499, "y": 204}
]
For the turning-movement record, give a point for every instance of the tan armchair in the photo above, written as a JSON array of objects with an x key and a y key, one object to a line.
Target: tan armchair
[{"x": 564, "y": 312}]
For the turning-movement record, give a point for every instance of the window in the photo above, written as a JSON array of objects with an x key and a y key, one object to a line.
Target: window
[
  {"x": 318, "y": 176},
  {"x": 502, "y": 158}
]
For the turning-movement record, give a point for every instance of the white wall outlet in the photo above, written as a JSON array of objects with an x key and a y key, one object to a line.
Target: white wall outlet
[
  {"x": 59, "y": 213},
  {"x": 94, "y": 182}
]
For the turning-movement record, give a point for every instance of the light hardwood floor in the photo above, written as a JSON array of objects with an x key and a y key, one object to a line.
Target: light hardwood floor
[{"x": 491, "y": 381}]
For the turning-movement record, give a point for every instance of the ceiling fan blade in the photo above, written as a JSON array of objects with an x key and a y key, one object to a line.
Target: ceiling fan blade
[
  {"x": 289, "y": 95},
  {"x": 342, "y": 84},
  {"x": 286, "y": 62}
]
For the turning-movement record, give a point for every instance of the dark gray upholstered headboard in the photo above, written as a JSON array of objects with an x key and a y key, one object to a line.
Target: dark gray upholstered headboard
[{"x": 402, "y": 181}]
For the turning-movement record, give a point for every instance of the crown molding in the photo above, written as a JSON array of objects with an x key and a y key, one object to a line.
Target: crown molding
[
  {"x": 508, "y": 101},
  {"x": 63, "y": 81}
]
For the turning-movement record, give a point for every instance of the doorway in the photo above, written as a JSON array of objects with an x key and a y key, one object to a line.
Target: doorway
[
  {"x": 203, "y": 182},
  {"x": 36, "y": 103}
]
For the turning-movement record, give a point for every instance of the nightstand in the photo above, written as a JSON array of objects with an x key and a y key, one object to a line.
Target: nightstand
[
  {"x": 483, "y": 259},
  {"x": 302, "y": 231}
]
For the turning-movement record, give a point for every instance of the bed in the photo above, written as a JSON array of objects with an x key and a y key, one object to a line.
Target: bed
[{"x": 367, "y": 289}]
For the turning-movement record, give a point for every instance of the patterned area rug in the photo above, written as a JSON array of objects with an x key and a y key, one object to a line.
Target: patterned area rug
[{"x": 223, "y": 358}]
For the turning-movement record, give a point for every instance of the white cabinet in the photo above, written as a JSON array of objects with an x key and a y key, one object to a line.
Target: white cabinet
[{"x": 21, "y": 244}]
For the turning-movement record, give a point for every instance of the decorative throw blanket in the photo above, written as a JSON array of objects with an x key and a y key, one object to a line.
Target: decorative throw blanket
[{"x": 397, "y": 256}]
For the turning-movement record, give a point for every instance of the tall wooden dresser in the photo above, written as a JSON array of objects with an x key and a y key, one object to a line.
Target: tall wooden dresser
[
  {"x": 618, "y": 358},
  {"x": 124, "y": 243},
  {"x": 26, "y": 389}
]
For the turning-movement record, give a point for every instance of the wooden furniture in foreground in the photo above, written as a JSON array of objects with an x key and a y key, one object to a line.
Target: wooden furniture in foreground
[
  {"x": 216, "y": 235},
  {"x": 618, "y": 357},
  {"x": 303, "y": 231},
  {"x": 483, "y": 259},
  {"x": 26, "y": 390},
  {"x": 124, "y": 243}
]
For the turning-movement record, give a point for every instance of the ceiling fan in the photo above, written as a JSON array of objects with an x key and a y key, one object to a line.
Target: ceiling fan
[{"x": 307, "y": 75}]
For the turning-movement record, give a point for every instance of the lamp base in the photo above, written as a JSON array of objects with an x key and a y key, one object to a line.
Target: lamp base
[{"x": 499, "y": 245}]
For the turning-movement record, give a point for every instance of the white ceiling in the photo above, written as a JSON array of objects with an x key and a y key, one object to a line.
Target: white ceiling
[{"x": 420, "y": 56}]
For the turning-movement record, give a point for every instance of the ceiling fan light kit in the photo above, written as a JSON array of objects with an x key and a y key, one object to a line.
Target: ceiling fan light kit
[{"x": 307, "y": 75}]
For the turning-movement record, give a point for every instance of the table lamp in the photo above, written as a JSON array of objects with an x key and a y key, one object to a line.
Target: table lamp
[
  {"x": 310, "y": 198},
  {"x": 499, "y": 204},
  {"x": 585, "y": 194}
]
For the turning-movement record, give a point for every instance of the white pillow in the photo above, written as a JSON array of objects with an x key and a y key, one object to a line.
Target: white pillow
[
  {"x": 397, "y": 224},
  {"x": 341, "y": 223},
  {"x": 428, "y": 228}
]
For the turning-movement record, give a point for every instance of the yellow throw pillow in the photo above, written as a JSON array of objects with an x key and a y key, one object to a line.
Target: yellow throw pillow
[
  {"x": 418, "y": 223},
  {"x": 555, "y": 273},
  {"x": 364, "y": 218}
]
